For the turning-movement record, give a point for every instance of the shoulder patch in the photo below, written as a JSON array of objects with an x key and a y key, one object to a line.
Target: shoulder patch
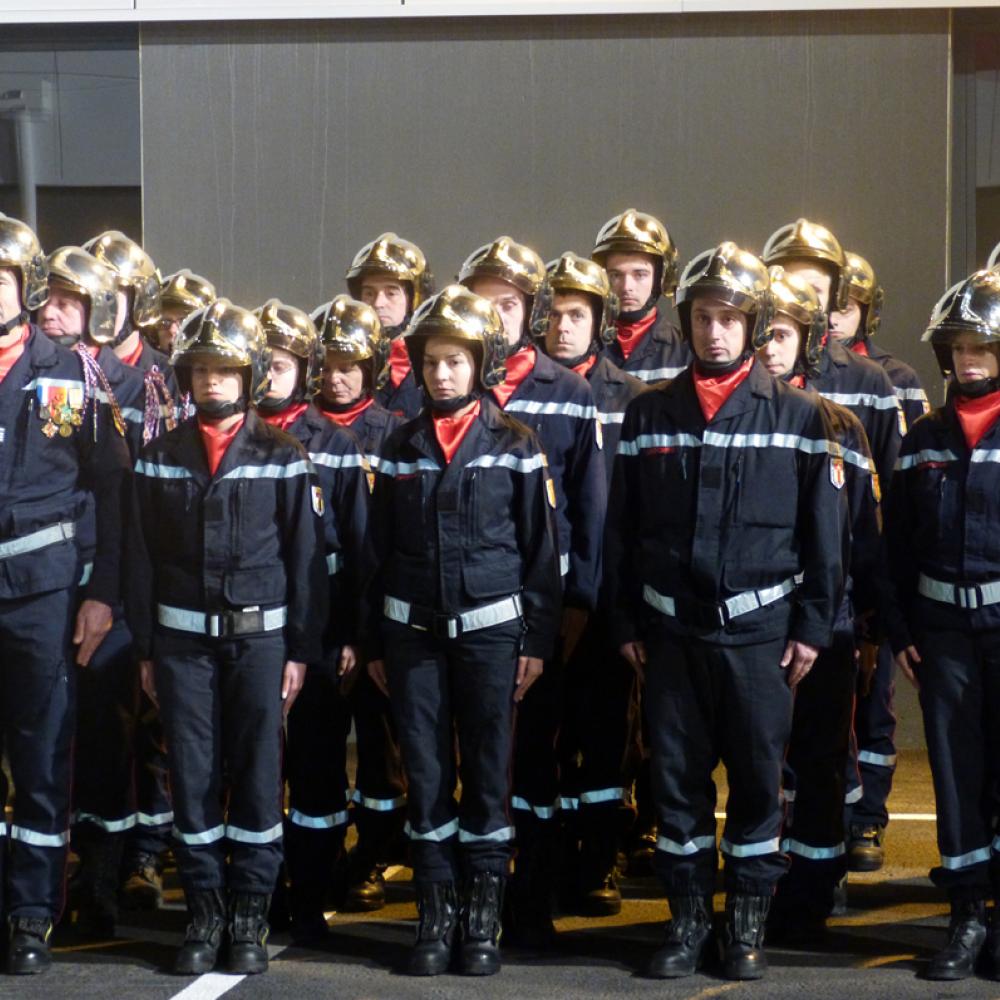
[
  {"x": 837, "y": 474},
  {"x": 550, "y": 492},
  {"x": 599, "y": 434},
  {"x": 317, "y": 501},
  {"x": 901, "y": 416},
  {"x": 876, "y": 488}
]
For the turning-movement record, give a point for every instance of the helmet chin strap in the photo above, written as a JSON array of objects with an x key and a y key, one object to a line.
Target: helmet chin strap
[
  {"x": 978, "y": 388},
  {"x": 456, "y": 403},
  {"x": 717, "y": 368},
  {"x": 123, "y": 334},
  {"x": 214, "y": 409},
  {"x": 628, "y": 316},
  {"x": 12, "y": 324}
]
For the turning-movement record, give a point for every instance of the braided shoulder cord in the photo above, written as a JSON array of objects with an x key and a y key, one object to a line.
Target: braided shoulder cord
[
  {"x": 93, "y": 376},
  {"x": 159, "y": 404}
]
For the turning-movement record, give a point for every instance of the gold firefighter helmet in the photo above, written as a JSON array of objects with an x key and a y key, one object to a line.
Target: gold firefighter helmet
[
  {"x": 394, "y": 257},
  {"x": 573, "y": 273},
  {"x": 462, "y": 315},
  {"x": 229, "y": 335},
  {"x": 731, "y": 275},
  {"x": 805, "y": 240},
  {"x": 994, "y": 259},
  {"x": 350, "y": 331},
  {"x": 507, "y": 260},
  {"x": 135, "y": 270},
  {"x": 795, "y": 297},
  {"x": 184, "y": 291},
  {"x": 85, "y": 275},
  {"x": 21, "y": 252},
  {"x": 637, "y": 232},
  {"x": 971, "y": 307},
  {"x": 293, "y": 330},
  {"x": 862, "y": 285}
]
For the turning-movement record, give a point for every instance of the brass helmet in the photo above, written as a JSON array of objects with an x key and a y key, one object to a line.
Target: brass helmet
[
  {"x": 183, "y": 292},
  {"x": 21, "y": 251},
  {"x": 572, "y": 273},
  {"x": 227, "y": 334},
  {"x": 795, "y": 297},
  {"x": 507, "y": 260},
  {"x": 731, "y": 275},
  {"x": 994, "y": 259},
  {"x": 805, "y": 240},
  {"x": 96, "y": 282},
  {"x": 861, "y": 285},
  {"x": 637, "y": 232},
  {"x": 970, "y": 307},
  {"x": 397, "y": 258},
  {"x": 456, "y": 312},
  {"x": 136, "y": 273},
  {"x": 292, "y": 330},
  {"x": 350, "y": 330}
]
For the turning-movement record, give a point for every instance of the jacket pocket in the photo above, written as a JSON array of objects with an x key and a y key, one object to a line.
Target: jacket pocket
[
  {"x": 496, "y": 576},
  {"x": 263, "y": 585}
]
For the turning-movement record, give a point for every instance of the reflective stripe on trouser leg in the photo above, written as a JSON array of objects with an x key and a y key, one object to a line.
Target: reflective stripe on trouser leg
[
  {"x": 155, "y": 813},
  {"x": 959, "y": 678},
  {"x": 37, "y": 709},
  {"x": 220, "y": 700},
  {"x": 875, "y": 722}
]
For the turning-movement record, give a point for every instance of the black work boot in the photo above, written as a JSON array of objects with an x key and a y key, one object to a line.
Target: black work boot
[
  {"x": 97, "y": 889},
  {"x": 28, "y": 947},
  {"x": 203, "y": 937},
  {"x": 865, "y": 848},
  {"x": 687, "y": 938},
  {"x": 482, "y": 899},
  {"x": 142, "y": 885},
  {"x": 308, "y": 921},
  {"x": 365, "y": 883},
  {"x": 248, "y": 932},
  {"x": 528, "y": 913},
  {"x": 598, "y": 894},
  {"x": 743, "y": 955},
  {"x": 437, "y": 904},
  {"x": 966, "y": 937}
]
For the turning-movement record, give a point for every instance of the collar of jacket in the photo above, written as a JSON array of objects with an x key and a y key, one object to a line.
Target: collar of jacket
[
  {"x": 40, "y": 351},
  {"x": 115, "y": 370},
  {"x": 187, "y": 449},
  {"x": 758, "y": 383},
  {"x": 420, "y": 432}
]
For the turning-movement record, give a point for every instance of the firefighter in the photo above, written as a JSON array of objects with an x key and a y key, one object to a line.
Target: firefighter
[
  {"x": 320, "y": 720},
  {"x": 575, "y": 317},
  {"x": 227, "y": 599},
  {"x": 814, "y": 786},
  {"x": 139, "y": 315},
  {"x": 641, "y": 260},
  {"x": 558, "y": 406},
  {"x": 943, "y": 509},
  {"x": 60, "y": 447},
  {"x": 81, "y": 309},
  {"x": 813, "y": 253},
  {"x": 390, "y": 274},
  {"x": 723, "y": 555},
  {"x": 355, "y": 366},
  {"x": 181, "y": 294},
  {"x": 467, "y": 587}
]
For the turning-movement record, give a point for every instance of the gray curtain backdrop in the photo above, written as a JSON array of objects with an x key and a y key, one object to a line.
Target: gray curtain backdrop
[{"x": 272, "y": 151}]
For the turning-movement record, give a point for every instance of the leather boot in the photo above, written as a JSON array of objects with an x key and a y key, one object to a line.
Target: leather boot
[
  {"x": 28, "y": 948},
  {"x": 482, "y": 899},
  {"x": 437, "y": 904},
  {"x": 248, "y": 932},
  {"x": 308, "y": 921},
  {"x": 598, "y": 894},
  {"x": 966, "y": 936},
  {"x": 203, "y": 937},
  {"x": 142, "y": 887},
  {"x": 687, "y": 938},
  {"x": 365, "y": 883},
  {"x": 743, "y": 956},
  {"x": 528, "y": 913}
]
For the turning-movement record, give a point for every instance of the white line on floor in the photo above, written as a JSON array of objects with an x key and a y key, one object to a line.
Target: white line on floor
[
  {"x": 898, "y": 817},
  {"x": 213, "y": 984}
]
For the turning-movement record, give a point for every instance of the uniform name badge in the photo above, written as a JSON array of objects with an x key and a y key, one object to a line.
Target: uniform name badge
[
  {"x": 317, "y": 501},
  {"x": 837, "y": 475}
]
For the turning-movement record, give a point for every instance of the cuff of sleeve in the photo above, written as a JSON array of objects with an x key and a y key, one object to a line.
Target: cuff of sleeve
[
  {"x": 537, "y": 646},
  {"x": 820, "y": 636}
]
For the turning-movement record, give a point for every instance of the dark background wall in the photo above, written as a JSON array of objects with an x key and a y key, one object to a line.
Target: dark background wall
[{"x": 271, "y": 152}]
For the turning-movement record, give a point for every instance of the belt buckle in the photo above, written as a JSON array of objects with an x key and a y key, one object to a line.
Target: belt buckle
[
  {"x": 969, "y": 598},
  {"x": 214, "y": 625},
  {"x": 246, "y": 622},
  {"x": 722, "y": 613},
  {"x": 445, "y": 626}
]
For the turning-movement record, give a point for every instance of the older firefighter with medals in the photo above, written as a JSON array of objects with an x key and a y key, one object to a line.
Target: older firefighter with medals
[
  {"x": 467, "y": 589},
  {"x": 723, "y": 555},
  {"x": 942, "y": 515},
  {"x": 61, "y": 452},
  {"x": 227, "y": 599}
]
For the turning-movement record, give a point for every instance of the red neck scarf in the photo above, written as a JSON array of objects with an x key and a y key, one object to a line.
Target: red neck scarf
[
  {"x": 286, "y": 417},
  {"x": 630, "y": 334},
  {"x": 518, "y": 367},
  {"x": 347, "y": 417},
  {"x": 583, "y": 368},
  {"x": 450, "y": 430},
  {"x": 977, "y": 416},
  {"x": 714, "y": 390},
  {"x": 217, "y": 441},
  {"x": 860, "y": 347},
  {"x": 133, "y": 358},
  {"x": 799, "y": 381},
  {"x": 9, "y": 355},
  {"x": 399, "y": 362}
]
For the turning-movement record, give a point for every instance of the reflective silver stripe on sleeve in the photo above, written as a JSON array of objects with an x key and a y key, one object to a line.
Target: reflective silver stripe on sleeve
[
  {"x": 927, "y": 455},
  {"x": 659, "y": 601},
  {"x": 980, "y": 455},
  {"x": 610, "y": 418},
  {"x": 906, "y": 392},
  {"x": 862, "y": 399},
  {"x": 156, "y": 470},
  {"x": 337, "y": 461},
  {"x": 289, "y": 471},
  {"x": 242, "y": 836},
  {"x": 714, "y": 439},
  {"x": 563, "y": 564},
  {"x": 688, "y": 848},
  {"x": 535, "y": 407},
  {"x": 396, "y": 469},
  {"x": 531, "y": 464},
  {"x": 85, "y": 574},
  {"x": 334, "y": 564},
  {"x": 655, "y": 374}
]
